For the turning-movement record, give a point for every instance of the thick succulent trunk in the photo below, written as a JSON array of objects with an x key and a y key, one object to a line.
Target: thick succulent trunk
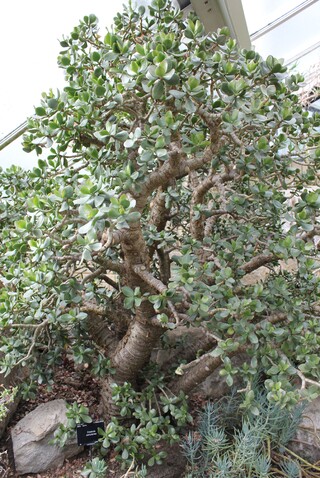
[
  {"x": 106, "y": 326},
  {"x": 101, "y": 333},
  {"x": 132, "y": 353},
  {"x": 194, "y": 376},
  {"x": 134, "y": 349},
  {"x": 198, "y": 371}
]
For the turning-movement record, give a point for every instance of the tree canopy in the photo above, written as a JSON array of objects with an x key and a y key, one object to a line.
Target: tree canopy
[{"x": 177, "y": 165}]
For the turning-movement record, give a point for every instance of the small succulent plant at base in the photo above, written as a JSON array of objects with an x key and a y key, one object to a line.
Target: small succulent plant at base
[
  {"x": 7, "y": 395},
  {"x": 154, "y": 419},
  {"x": 95, "y": 468},
  {"x": 145, "y": 420}
]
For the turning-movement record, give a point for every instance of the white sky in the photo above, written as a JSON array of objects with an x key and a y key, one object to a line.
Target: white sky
[
  {"x": 29, "y": 33},
  {"x": 260, "y": 13},
  {"x": 30, "y": 29},
  {"x": 290, "y": 38}
]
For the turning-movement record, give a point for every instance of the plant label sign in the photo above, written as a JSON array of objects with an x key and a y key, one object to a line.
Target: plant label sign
[{"x": 87, "y": 433}]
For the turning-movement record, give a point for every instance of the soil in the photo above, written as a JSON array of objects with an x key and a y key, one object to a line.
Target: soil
[
  {"x": 71, "y": 385},
  {"x": 77, "y": 385}
]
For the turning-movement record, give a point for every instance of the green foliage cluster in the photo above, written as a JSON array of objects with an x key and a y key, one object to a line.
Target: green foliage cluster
[
  {"x": 146, "y": 419},
  {"x": 174, "y": 159},
  {"x": 76, "y": 414},
  {"x": 154, "y": 416},
  {"x": 230, "y": 443},
  {"x": 7, "y": 395},
  {"x": 95, "y": 468}
]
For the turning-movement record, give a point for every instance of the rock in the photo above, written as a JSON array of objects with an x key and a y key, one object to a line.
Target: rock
[
  {"x": 9, "y": 406},
  {"x": 174, "y": 465},
  {"x": 215, "y": 386},
  {"x": 31, "y": 438},
  {"x": 17, "y": 375},
  {"x": 262, "y": 273},
  {"x": 307, "y": 440},
  {"x": 182, "y": 343}
]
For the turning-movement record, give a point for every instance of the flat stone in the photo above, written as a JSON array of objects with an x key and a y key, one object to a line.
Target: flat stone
[
  {"x": 31, "y": 437},
  {"x": 17, "y": 375},
  {"x": 307, "y": 440},
  {"x": 215, "y": 386},
  {"x": 174, "y": 465}
]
